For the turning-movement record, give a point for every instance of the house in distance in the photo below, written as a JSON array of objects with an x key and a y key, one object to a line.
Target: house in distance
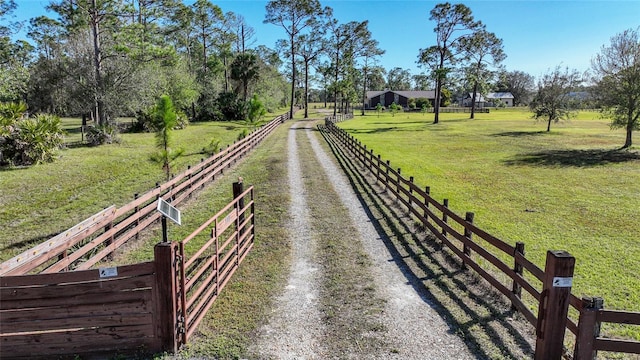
[
  {"x": 387, "y": 97},
  {"x": 492, "y": 99}
]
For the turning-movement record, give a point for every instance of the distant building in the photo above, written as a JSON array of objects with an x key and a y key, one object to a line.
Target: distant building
[
  {"x": 387, "y": 97},
  {"x": 490, "y": 99}
]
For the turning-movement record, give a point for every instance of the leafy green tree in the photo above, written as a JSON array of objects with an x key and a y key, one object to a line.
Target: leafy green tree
[
  {"x": 551, "y": 102},
  {"x": 453, "y": 22},
  {"x": 399, "y": 79},
  {"x": 483, "y": 50},
  {"x": 394, "y": 108},
  {"x": 421, "y": 82},
  {"x": 255, "y": 110},
  {"x": 206, "y": 19},
  {"x": 293, "y": 16},
  {"x": 310, "y": 47},
  {"x": 617, "y": 75},
  {"x": 445, "y": 97},
  {"x": 379, "y": 109},
  {"x": 165, "y": 119},
  {"x": 370, "y": 52},
  {"x": 424, "y": 108},
  {"x": 345, "y": 45},
  {"x": 520, "y": 84}
]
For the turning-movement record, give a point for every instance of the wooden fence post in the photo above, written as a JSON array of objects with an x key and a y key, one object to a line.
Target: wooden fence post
[
  {"x": 109, "y": 241},
  {"x": 166, "y": 299},
  {"x": 238, "y": 189},
  {"x": 189, "y": 180},
  {"x": 427, "y": 190},
  {"x": 386, "y": 176},
  {"x": 445, "y": 203},
  {"x": 469, "y": 235},
  {"x": 554, "y": 305},
  {"x": 516, "y": 289},
  {"x": 135, "y": 211},
  {"x": 588, "y": 328},
  {"x": 410, "y": 193}
]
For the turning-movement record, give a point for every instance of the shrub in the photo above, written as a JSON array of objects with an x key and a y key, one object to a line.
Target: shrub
[
  {"x": 27, "y": 141},
  {"x": 100, "y": 135},
  {"x": 145, "y": 123},
  {"x": 255, "y": 110},
  {"x": 411, "y": 103},
  {"x": 243, "y": 134},
  {"x": 212, "y": 148},
  {"x": 230, "y": 106},
  {"x": 422, "y": 103}
]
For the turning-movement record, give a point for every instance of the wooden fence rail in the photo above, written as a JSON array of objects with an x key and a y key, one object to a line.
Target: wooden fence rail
[
  {"x": 142, "y": 308},
  {"x": 96, "y": 238},
  {"x": 502, "y": 265}
]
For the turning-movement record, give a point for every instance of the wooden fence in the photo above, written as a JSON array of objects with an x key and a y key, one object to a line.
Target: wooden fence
[
  {"x": 128, "y": 309},
  {"x": 96, "y": 238},
  {"x": 502, "y": 265}
]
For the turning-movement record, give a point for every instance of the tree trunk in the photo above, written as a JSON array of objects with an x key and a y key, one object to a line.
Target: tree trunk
[
  {"x": 226, "y": 75},
  {"x": 364, "y": 87},
  {"x": 335, "y": 91},
  {"x": 436, "y": 106},
  {"x": 293, "y": 75},
  {"x": 306, "y": 89},
  {"x": 549, "y": 125},
  {"x": 97, "y": 63},
  {"x": 473, "y": 100},
  {"x": 628, "y": 142}
]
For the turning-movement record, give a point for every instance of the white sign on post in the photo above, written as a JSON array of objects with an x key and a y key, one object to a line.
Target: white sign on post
[
  {"x": 563, "y": 282},
  {"x": 108, "y": 272}
]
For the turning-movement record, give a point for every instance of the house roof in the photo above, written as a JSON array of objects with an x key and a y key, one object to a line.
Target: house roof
[
  {"x": 491, "y": 96},
  {"x": 500, "y": 95},
  {"x": 429, "y": 94}
]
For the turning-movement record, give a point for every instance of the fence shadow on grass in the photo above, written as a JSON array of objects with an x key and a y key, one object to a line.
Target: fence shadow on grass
[
  {"x": 521, "y": 133},
  {"x": 473, "y": 311},
  {"x": 27, "y": 243},
  {"x": 574, "y": 158}
]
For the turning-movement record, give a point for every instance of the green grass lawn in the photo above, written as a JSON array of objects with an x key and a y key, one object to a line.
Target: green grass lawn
[
  {"x": 40, "y": 201},
  {"x": 567, "y": 190}
]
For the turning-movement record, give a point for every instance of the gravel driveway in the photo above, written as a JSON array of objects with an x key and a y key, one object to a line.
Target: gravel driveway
[{"x": 412, "y": 328}]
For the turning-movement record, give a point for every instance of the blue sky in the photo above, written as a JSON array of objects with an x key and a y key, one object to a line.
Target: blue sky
[{"x": 537, "y": 35}]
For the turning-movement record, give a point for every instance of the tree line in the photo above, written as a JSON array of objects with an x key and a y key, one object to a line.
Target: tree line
[{"x": 104, "y": 59}]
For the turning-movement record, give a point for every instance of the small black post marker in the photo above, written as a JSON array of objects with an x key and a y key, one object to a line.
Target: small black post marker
[{"x": 165, "y": 237}]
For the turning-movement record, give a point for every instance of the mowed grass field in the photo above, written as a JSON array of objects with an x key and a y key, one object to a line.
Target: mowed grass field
[
  {"x": 569, "y": 189},
  {"x": 43, "y": 200}
]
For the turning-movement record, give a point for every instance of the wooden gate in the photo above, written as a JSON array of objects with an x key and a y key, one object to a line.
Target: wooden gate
[{"x": 80, "y": 313}]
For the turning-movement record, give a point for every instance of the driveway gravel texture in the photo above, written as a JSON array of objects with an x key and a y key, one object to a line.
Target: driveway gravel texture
[
  {"x": 412, "y": 328},
  {"x": 366, "y": 282}
]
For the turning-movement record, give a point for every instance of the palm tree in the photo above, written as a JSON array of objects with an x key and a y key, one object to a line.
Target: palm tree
[{"x": 245, "y": 69}]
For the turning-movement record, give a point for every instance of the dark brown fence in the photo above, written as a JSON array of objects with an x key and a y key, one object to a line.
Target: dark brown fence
[
  {"x": 206, "y": 268},
  {"x": 71, "y": 313},
  {"x": 502, "y": 265},
  {"x": 96, "y": 238},
  {"x": 128, "y": 309}
]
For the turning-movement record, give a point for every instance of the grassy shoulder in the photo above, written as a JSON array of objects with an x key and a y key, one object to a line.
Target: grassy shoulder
[
  {"x": 43, "y": 200},
  {"x": 226, "y": 331},
  {"x": 568, "y": 189}
]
